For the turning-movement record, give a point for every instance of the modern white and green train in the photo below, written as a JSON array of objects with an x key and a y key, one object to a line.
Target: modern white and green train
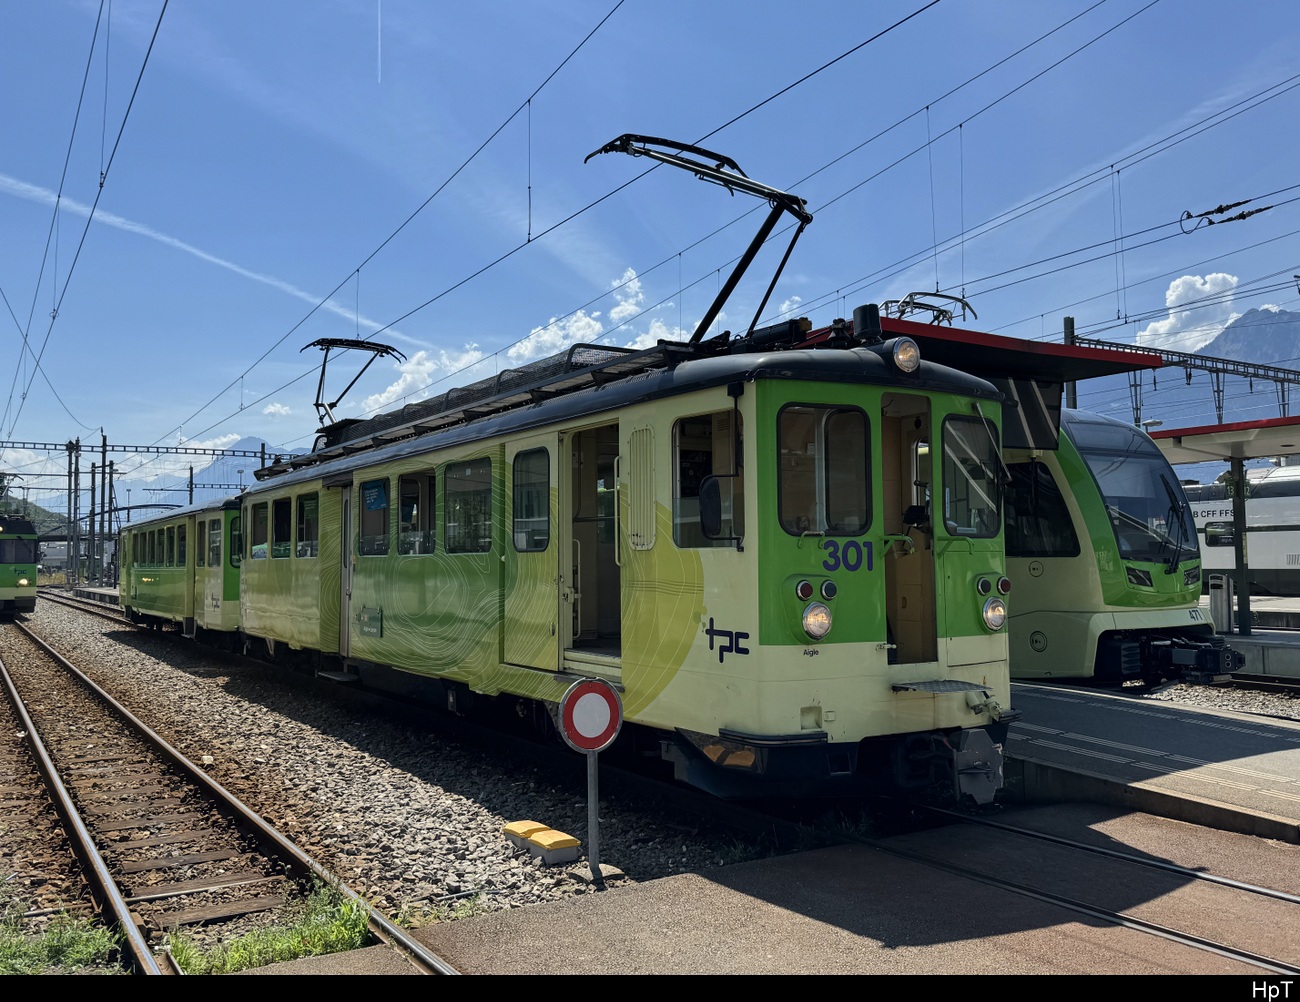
[
  {"x": 1103, "y": 550},
  {"x": 19, "y": 555},
  {"x": 788, "y": 562}
]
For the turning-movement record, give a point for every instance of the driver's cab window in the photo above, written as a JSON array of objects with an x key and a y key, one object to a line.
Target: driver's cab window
[
  {"x": 704, "y": 446},
  {"x": 823, "y": 482}
]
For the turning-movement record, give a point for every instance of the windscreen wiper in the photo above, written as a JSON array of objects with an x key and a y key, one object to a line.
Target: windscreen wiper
[{"x": 1177, "y": 508}]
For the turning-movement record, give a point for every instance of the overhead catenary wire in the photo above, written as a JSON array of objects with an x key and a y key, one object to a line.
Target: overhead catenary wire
[
  {"x": 24, "y": 330},
  {"x": 533, "y": 238},
  {"x": 405, "y": 315},
  {"x": 90, "y": 216}
]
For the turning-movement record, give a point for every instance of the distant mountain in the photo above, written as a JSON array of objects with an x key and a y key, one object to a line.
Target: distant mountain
[
  {"x": 1264, "y": 337},
  {"x": 1267, "y": 337}
]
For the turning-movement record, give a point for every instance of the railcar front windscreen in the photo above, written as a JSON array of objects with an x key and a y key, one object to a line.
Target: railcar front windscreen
[
  {"x": 17, "y": 551},
  {"x": 1148, "y": 510}
]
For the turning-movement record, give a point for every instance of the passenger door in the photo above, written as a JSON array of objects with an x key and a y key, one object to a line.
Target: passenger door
[
  {"x": 533, "y": 604},
  {"x": 345, "y": 572}
]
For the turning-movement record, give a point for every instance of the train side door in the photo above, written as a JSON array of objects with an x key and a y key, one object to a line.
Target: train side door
[
  {"x": 590, "y": 613},
  {"x": 345, "y": 572},
  {"x": 907, "y": 474},
  {"x": 531, "y": 616}
]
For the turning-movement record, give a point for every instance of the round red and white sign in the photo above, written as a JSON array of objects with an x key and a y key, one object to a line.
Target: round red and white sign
[{"x": 591, "y": 714}]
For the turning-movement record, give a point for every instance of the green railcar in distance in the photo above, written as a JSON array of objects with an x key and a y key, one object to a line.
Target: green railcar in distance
[
  {"x": 182, "y": 567},
  {"x": 19, "y": 556},
  {"x": 1103, "y": 552}
]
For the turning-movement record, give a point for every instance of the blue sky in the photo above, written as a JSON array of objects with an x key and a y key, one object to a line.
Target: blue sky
[{"x": 1037, "y": 154}]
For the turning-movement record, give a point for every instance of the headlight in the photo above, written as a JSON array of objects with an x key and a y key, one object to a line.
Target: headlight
[
  {"x": 907, "y": 356},
  {"x": 22, "y": 582},
  {"x": 1137, "y": 576},
  {"x": 817, "y": 620},
  {"x": 995, "y": 614}
]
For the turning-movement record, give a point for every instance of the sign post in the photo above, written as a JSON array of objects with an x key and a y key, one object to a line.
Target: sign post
[{"x": 591, "y": 714}]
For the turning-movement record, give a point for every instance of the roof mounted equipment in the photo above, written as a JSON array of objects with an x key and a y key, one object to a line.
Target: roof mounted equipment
[
  {"x": 915, "y": 302},
  {"x": 326, "y": 411},
  {"x": 727, "y": 173}
]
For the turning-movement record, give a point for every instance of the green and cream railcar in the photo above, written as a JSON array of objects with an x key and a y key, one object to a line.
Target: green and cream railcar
[
  {"x": 1102, "y": 548},
  {"x": 182, "y": 567},
  {"x": 19, "y": 555},
  {"x": 788, "y": 562}
]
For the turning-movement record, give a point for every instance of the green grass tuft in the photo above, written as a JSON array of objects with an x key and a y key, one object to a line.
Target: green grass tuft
[
  {"x": 329, "y": 923},
  {"x": 69, "y": 945}
]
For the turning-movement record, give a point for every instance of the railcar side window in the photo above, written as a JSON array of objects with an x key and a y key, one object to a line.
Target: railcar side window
[
  {"x": 180, "y": 546},
  {"x": 1220, "y": 534},
  {"x": 259, "y": 536},
  {"x": 308, "y": 524},
  {"x": 532, "y": 490},
  {"x": 153, "y": 546},
  {"x": 415, "y": 499},
  {"x": 171, "y": 546},
  {"x": 214, "y": 543},
  {"x": 706, "y": 446},
  {"x": 236, "y": 540},
  {"x": 373, "y": 539},
  {"x": 201, "y": 549},
  {"x": 281, "y": 527},
  {"x": 971, "y": 468},
  {"x": 1037, "y": 520},
  {"x": 823, "y": 480},
  {"x": 467, "y": 506}
]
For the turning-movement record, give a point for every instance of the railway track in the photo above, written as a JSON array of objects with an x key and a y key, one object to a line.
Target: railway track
[
  {"x": 1180, "y": 904},
  {"x": 1280, "y": 684},
  {"x": 165, "y": 847},
  {"x": 1171, "y": 905}
]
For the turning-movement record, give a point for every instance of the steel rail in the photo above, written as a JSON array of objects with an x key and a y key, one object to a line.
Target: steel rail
[
  {"x": 1126, "y": 857},
  {"x": 1091, "y": 911},
  {"x": 400, "y": 940},
  {"x": 81, "y": 840}
]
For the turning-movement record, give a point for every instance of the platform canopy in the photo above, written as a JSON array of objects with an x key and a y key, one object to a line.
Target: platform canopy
[
  {"x": 1032, "y": 374},
  {"x": 993, "y": 354},
  {"x": 1241, "y": 440}
]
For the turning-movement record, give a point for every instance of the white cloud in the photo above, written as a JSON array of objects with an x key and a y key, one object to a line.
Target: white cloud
[
  {"x": 659, "y": 331},
  {"x": 627, "y": 290},
  {"x": 219, "y": 442},
  {"x": 790, "y": 306},
  {"x": 1191, "y": 325},
  {"x": 418, "y": 373},
  {"x": 276, "y": 410},
  {"x": 556, "y": 336}
]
